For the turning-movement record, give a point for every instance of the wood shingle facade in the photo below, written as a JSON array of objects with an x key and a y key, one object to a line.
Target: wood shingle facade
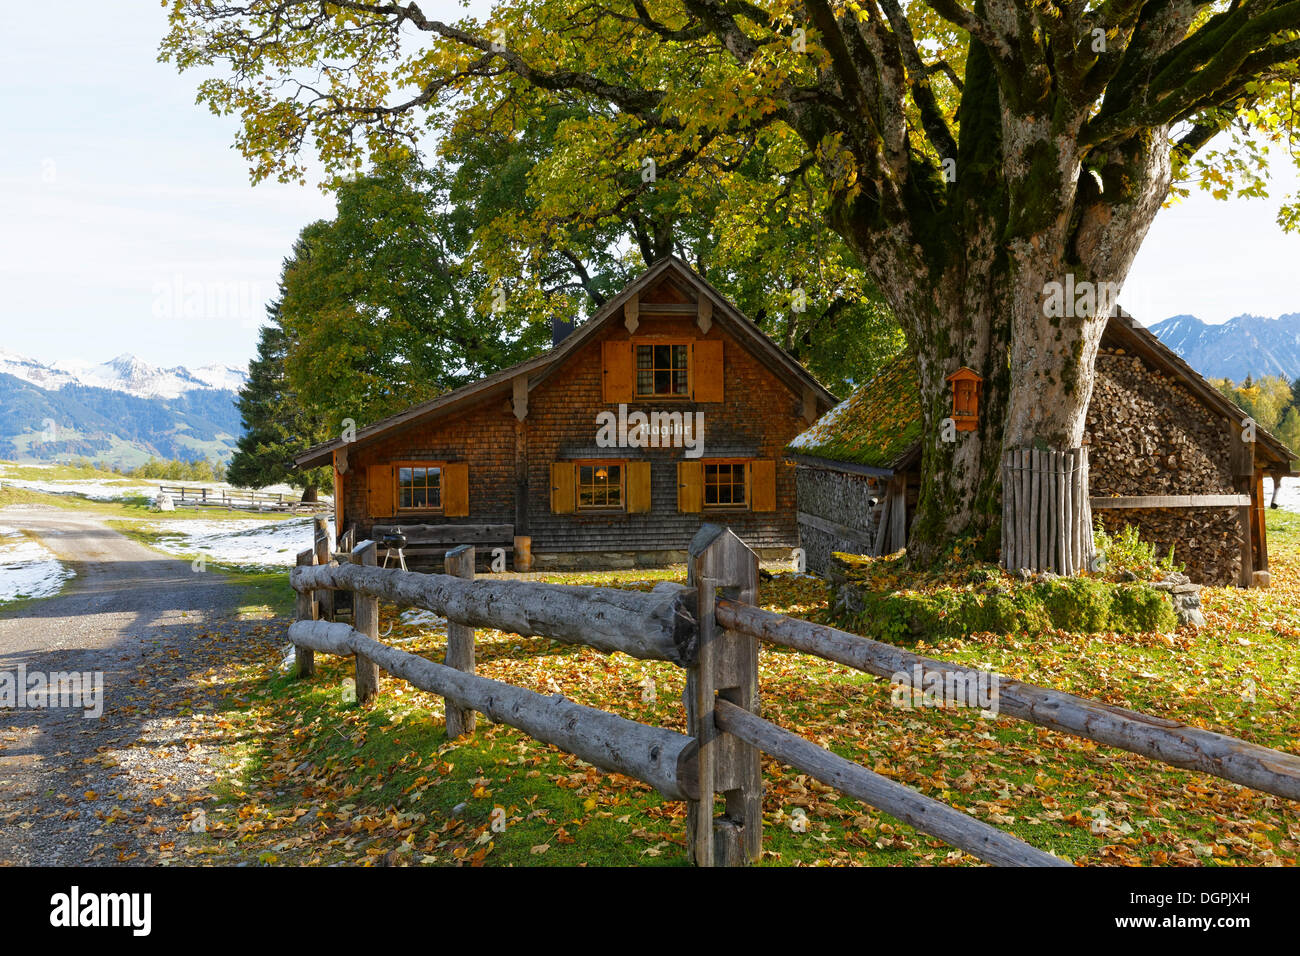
[{"x": 666, "y": 409}]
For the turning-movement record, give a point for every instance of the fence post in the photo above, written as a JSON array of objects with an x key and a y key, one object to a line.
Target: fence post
[
  {"x": 726, "y": 667},
  {"x": 304, "y": 658},
  {"x": 459, "y": 562},
  {"x": 321, "y": 542},
  {"x": 365, "y": 618}
]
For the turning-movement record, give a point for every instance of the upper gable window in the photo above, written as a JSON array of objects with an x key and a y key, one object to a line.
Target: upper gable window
[{"x": 662, "y": 370}]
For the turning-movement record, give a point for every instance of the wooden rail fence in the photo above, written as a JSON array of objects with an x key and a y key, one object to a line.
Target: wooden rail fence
[
  {"x": 235, "y": 499},
  {"x": 711, "y": 628}
]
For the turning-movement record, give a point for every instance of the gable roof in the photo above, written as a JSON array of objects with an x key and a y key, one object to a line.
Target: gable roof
[
  {"x": 877, "y": 429},
  {"x": 538, "y": 368}
]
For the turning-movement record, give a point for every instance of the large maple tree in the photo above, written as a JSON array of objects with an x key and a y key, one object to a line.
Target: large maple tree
[{"x": 976, "y": 158}]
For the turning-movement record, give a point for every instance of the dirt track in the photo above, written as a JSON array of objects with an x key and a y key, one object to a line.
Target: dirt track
[{"x": 76, "y": 790}]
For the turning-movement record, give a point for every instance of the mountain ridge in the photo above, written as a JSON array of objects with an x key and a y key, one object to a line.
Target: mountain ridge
[
  {"x": 1246, "y": 344},
  {"x": 122, "y": 411},
  {"x": 123, "y": 373}
]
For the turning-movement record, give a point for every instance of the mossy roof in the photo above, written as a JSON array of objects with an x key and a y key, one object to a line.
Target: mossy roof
[{"x": 875, "y": 426}]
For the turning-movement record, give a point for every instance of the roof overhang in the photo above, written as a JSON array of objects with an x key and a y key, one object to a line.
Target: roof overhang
[
  {"x": 453, "y": 401},
  {"x": 847, "y": 467},
  {"x": 537, "y": 369},
  {"x": 734, "y": 321}
]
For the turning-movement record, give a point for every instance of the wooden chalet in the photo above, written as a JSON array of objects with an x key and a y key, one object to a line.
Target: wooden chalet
[
  {"x": 667, "y": 408},
  {"x": 1167, "y": 453}
]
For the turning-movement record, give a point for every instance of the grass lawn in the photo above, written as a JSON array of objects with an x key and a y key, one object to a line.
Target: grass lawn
[{"x": 317, "y": 779}]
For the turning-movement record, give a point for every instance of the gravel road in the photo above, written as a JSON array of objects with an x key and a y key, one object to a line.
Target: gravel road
[{"x": 117, "y": 789}]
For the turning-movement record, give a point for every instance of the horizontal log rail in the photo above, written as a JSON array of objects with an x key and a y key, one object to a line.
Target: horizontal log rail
[
  {"x": 659, "y": 625},
  {"x": 662, "y": 758},
  {"x": 1170, "y": 501},
  {"x": 924, "y": 813},
  {"x": 712, "y": 628},
  {"x": 862, "y": 539},
  {"x": 1169, "y": 741}
]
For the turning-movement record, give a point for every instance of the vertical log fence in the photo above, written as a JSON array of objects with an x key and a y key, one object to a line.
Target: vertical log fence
[
  {"x": 365, "y": 620},
  {"x": 712, "y": 627},
  {"x": 1046, "y": 515}
]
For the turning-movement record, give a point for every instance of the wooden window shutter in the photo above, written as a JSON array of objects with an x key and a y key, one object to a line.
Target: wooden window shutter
[
  {"x": 690, "y": 487},
  {"x": 638, "y": 487},
  {"x": 762, "y": 485},
  {"x": 563, "y": 491},
  {"x": 455, "y": 489},
  {"x": 706, "y": 376},
  {"x": 618, "y": 373},
  {"x": 379, "y": 484}
]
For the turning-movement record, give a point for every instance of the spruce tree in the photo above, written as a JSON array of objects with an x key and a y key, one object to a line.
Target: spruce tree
[{"x": 276, "y": 426}]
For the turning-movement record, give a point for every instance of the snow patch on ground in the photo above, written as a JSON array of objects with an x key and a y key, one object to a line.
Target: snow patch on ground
[
  {"x": 1288, "y": 498},
  {"x": 253, "y": 542},
  {"x": 425, "y": 619},
  {"x": 97, "y": 489},
  {"x": 27, "y": 569}
]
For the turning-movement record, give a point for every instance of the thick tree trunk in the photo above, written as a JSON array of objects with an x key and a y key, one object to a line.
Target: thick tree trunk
[
  {"x": 310, "y": 493},
  {"x": 960, "y": 481},
  {"x": 1015, "y": 279}
]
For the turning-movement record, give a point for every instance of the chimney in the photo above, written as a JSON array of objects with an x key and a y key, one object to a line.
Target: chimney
[{"x": 560, "y": 330}]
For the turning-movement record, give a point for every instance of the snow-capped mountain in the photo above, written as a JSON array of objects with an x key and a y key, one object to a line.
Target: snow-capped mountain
[
  {"x": 126, "y": 373},
  {"x": 30, "y": 370},
  {"x": 228, "y": 377},
  {"x": 1246, "y": 345},
  {"x": 122, "y": 411}
]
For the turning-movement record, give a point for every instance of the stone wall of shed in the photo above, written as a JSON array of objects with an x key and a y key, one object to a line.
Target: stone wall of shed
[
  {"x": 839, "y": 497},
  {"x": 1147, "y": 435}
]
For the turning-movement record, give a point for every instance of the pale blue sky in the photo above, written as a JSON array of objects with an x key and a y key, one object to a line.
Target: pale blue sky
[{"x": 120, "y": 197}]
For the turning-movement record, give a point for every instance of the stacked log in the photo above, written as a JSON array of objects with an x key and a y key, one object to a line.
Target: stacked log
[
  {"x": 1149, "y": 436},
  {"x": 1207, "y": 541}
]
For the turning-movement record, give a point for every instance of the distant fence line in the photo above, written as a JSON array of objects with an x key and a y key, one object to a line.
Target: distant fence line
[{"x": 234, "y": 499}]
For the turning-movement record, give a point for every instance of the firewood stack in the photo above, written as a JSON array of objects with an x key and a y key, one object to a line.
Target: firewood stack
[
  {"x": 1206, "y": 540},
  {"x": 1148, "y": 436}
]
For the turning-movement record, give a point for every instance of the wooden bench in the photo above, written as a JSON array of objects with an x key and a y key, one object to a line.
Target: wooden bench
[{"x": 437, "y": 539}]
